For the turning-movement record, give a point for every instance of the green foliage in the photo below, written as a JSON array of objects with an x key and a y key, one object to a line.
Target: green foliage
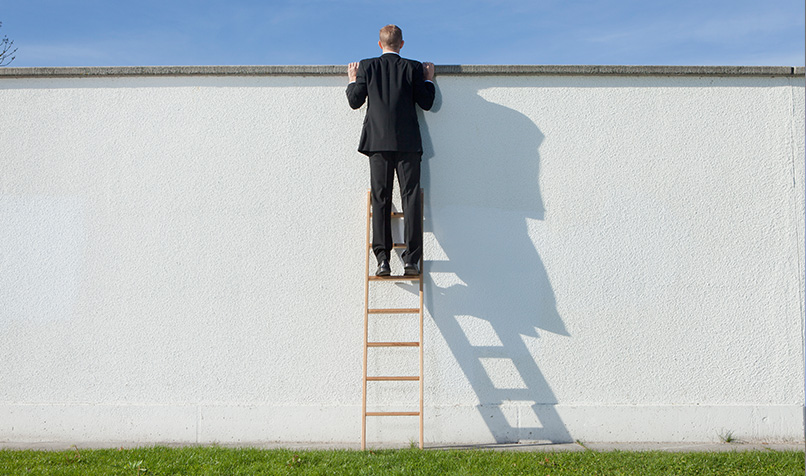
[
  {"x": 159, "y": 461},
  {"x": 726, "y": 436}
]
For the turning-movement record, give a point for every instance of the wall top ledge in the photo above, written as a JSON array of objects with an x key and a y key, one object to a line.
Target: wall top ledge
[{"x": 334, "y": 70}]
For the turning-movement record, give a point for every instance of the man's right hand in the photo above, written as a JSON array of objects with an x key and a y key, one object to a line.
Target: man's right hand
[
  {"x": 352, "y": 71},
  {"x": 428, "y": 71}
]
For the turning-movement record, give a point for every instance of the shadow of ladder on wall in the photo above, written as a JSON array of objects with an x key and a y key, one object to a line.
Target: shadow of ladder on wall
[{"x": 367, "y": 344}]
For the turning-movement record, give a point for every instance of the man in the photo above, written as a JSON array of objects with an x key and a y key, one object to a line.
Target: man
[{"x": 392, "y": 86}]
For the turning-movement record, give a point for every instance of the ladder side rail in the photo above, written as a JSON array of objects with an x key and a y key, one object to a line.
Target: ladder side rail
[
  {"x": 422, "y": 278},
  {"x": 366, "y": 331}
]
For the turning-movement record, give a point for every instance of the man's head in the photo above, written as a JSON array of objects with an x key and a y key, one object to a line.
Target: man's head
[{"x": 391, "y": 38}]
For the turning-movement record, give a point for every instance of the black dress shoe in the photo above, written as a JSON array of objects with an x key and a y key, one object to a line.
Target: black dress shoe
[
  {"x": 383, "y": 268},
  {"x": 411, "y": 269}
]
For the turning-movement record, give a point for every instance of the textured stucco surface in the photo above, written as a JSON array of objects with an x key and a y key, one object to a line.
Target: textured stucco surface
[{"x": 608, "y": 258}]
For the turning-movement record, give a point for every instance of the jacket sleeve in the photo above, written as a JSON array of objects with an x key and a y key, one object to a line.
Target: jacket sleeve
[
  {"x": 424, "y": 91},
  {"x": 357, "y": 90}
]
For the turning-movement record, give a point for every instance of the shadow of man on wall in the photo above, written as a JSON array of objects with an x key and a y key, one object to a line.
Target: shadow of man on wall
[{"x": 490, "y": 289}]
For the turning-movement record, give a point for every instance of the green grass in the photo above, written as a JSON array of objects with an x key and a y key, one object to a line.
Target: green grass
[
  {"x": 726, "y": 436},
  {"x": 234, "y": 461}
]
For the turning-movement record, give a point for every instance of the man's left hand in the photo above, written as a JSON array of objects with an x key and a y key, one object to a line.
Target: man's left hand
[{"x": 428, "y": 71}]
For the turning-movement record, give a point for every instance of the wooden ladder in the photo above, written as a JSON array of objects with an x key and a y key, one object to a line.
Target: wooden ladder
[{"x": 368, "y": 344}]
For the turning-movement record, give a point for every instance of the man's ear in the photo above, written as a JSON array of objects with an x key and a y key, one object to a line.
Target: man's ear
[
  {"x": 401, "y": 44},
  {"x": 380, "y": 45}
]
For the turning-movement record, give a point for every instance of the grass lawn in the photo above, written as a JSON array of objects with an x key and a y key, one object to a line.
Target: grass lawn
[{"x": 242, "y": 461}]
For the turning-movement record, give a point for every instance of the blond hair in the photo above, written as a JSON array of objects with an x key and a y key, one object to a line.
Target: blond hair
[{"x": 391, "y": 36}]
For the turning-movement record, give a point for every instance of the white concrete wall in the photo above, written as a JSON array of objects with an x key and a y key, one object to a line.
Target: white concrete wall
[{"x": 608, "y": 258}]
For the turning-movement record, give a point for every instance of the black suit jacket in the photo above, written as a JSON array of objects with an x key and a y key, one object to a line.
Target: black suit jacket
[{"x": 392, "y": 86}]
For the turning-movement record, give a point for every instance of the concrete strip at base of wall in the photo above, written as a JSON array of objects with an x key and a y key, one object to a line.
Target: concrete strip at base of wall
[
  {"x": 90, "y": 423},
  {"x": 260, "y": 425}
]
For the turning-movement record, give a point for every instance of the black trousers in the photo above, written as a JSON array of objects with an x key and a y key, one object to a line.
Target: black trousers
[{"x": 382, "y": 167}]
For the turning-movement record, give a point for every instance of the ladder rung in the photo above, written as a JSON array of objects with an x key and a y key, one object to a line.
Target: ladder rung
[
  {"x": 391, "y": 379},
  {"x": 393, "y": 413},
  {"x": 395, "y": 278},
  {"x": 413, "y": 310},
  {"x": 394, "y": 245},
  {"x": 393, "y": 344},
  {"x": 393, "y": 214}
]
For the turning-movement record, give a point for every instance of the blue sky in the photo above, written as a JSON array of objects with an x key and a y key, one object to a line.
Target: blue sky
[{"x": 183, "y": 32}]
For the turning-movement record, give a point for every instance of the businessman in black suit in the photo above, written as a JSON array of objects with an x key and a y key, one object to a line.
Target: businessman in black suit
[{"x": 392, "y": 87}]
